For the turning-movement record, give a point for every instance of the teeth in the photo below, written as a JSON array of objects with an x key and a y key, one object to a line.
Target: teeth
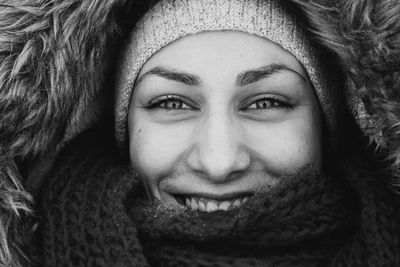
[
  {"x": 225, "y": 205},
  {"x": 202, "y": 206},
  {"x": 193, "y": 204},
  {"x": 237, "y": 203},
  {"x": 211, "y": 205}
]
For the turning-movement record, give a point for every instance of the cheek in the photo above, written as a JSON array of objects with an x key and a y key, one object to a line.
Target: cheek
[
  {"x": 284, "y": 147},
  {"x": 156, "y": 149}
]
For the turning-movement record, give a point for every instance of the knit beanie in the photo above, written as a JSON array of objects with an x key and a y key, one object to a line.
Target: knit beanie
[{"x": 170, "y": 20}]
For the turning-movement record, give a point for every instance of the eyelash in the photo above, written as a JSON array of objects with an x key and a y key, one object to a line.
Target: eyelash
[
  {"x": 161, "y": 102},
  {"x": 158, "y": 102},
  {"x": 273, "y": 103}
]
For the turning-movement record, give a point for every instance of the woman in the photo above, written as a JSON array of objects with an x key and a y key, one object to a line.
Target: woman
[{"x": 236, "y": 130}]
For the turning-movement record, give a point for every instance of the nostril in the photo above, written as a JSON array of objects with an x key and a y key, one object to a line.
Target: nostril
[
  {"x": 219, "y": 162},
  {"x": 235, "y": 175},
  {"x": 223, "y": 176},
  {"x": 220, "y": 170}
]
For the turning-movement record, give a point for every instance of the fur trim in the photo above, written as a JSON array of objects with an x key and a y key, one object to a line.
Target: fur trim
[
  {"x": 53, "y": 62},
  {"x": 15, "y": 207},
  {"x": 365, "y": 35},
  {"x": 53, "y": 59}
]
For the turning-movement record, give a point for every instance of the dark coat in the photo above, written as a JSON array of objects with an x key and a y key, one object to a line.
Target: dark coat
[{"x": 56, "y": 68}]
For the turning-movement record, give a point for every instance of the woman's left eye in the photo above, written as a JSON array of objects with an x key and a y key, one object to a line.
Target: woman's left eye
[{"x": 267, "y": 103}]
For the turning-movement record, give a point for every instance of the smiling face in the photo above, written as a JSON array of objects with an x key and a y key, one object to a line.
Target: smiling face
[{"x": 218, "y": 115}]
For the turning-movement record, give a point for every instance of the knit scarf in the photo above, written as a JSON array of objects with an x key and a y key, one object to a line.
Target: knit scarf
[{"x": 95, "y": 213}]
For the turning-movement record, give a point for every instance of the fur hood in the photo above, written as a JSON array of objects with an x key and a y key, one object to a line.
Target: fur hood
[{"x": 56, "y": 65}]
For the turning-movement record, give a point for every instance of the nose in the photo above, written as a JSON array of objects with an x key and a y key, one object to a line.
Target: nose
[{"x": 219, "y": 153}]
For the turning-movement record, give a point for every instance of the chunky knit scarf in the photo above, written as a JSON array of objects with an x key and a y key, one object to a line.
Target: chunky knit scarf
[{"x": 95, "y": 213}]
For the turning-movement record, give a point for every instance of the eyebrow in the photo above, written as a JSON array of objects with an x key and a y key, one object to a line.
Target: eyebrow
[
  {"x": 173, "y": 75},
  {"x": 243, "y": 79},
  {"x": 252, "y": 76}
]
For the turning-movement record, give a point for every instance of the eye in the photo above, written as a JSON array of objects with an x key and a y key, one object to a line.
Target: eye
[
  {"x": 267, "y": 103},
  {"x": 170, "y": 102}
]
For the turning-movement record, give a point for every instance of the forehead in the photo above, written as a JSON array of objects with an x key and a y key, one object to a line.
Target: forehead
[{"x": 227, "y": 52}]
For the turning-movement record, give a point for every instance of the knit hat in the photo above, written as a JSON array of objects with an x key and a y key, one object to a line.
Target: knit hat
[{"x": 170, "y": 20}]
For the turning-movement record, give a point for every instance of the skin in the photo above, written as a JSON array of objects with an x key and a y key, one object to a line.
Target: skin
[{"x": 220, "y": 114}]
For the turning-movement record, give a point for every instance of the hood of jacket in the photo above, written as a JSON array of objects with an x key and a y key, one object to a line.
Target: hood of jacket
[{"x": 56, "y": 66}]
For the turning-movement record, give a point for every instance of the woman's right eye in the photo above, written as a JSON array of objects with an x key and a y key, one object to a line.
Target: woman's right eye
[{"x": 170, "y": 102}]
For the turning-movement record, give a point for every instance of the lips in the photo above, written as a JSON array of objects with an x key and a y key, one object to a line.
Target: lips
[{"x": 210, "y": 204}]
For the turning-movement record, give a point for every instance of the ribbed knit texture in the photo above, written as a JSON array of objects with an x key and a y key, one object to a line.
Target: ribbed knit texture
[
  {"x": 301, "y": 221},
  {"x": 94, "y": 214},
  {"x": 170, "y": 20}
]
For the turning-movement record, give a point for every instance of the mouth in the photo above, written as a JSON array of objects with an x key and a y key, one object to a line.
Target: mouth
[{"x": 210, "y": 204}]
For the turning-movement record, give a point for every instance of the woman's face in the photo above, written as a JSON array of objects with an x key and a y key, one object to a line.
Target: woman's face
[{"x": 217, "y": 116}]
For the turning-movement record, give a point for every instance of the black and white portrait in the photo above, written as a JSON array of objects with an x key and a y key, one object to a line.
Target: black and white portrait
[{"x": 199, "y": 133}]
